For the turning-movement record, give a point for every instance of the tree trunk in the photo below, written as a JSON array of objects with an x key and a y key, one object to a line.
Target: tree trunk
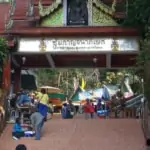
[{"x": 59, "y": 77}]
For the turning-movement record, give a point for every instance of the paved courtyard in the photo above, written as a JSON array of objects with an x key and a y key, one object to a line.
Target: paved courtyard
[{"x": 80, "y": 134}]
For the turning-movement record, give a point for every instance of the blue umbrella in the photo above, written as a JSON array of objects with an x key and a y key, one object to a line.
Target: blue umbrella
[
  {"x": 84, "y": 95},
  {"x": 98, "y": 93},
  {"x": 106, "y": 95},
  {"x": 101, "y": 93}
]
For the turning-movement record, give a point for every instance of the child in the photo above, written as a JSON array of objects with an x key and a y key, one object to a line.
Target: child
[
  {"x": 17, "y": 131},
  {"x": 88, "y": 110},
  {"x": 92, "y": 109}
]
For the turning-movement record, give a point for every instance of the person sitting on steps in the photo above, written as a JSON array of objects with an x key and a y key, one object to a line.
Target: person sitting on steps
[
  {"x": 65, "y": 112},
  {"x": 17, "y": 131}
]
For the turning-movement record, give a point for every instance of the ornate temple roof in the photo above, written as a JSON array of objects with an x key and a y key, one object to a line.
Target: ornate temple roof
[
  {"x": 22, "y": 19},
  {"x": 110, "y": 7},
  {"x": 4, "y": 11},
  {"x": 25, "y": 14}
]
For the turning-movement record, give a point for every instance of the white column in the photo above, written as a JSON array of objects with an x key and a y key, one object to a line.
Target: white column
[
  {"x": 65, "y": 12},
  {"x": 90, "y": 10},
  {"x": 50, "y": 60}
]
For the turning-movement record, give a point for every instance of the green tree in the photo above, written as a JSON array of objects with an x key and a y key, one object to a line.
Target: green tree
[
  {"x": 47, "y": 77},
  {"x": 94, "y": 78},
  {"x": 3, "y": 54},
  {"x": 138, "y": 16}
]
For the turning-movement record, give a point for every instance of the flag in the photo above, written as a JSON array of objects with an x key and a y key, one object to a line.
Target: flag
[{"x": 83, "y": 83}]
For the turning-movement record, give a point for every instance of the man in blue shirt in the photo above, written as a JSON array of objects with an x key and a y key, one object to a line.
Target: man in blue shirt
[{"x": 23, "y": 98}]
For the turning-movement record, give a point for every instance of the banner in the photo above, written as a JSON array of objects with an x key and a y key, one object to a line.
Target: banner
[{"x": 72, "y": 44}]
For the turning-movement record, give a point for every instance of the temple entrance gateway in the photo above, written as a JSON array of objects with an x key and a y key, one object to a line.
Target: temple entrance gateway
[
  {"x": 72, "y": 33},
  {"x": 69, "y": 34}
]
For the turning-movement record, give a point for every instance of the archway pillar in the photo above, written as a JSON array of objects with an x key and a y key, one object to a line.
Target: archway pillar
[{"x": 17, "y": 79}]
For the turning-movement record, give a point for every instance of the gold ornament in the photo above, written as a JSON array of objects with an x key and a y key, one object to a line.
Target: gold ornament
[
  {"x": 115, "y": 46},
  {"x": 42, "y": 46}
]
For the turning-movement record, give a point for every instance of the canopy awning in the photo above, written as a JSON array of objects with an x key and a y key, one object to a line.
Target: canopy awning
[
  {"x": 56, "y": 95},
  {"x": 51, "y": 89}
]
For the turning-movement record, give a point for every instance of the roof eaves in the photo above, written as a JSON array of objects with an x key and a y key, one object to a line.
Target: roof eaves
[
  {"x": 105, "y": 8},
  {"x": 46, "y": 11}
]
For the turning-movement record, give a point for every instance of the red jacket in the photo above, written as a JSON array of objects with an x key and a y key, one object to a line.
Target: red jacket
[{"x": 88, "y": 108}]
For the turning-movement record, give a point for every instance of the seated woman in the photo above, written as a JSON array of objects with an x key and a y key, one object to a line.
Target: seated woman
[
  {"x": 65, "y": 112},
  {"x": 71, "y": 108},
  {"x": 17, "y": 131}
]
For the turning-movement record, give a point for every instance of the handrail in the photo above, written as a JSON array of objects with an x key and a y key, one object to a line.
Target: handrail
[
  {"x": 13, "y": 6},
  {"x": 9, "y": 20},
  {"x": 30, "y": 10},
  {"x": 132, "y": 101}
]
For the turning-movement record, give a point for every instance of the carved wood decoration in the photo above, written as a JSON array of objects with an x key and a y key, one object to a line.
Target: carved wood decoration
[{"x": 77, "y": 12}]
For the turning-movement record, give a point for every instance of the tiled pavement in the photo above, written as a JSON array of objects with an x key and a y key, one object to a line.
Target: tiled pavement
[{"x": 81, "y": 134}]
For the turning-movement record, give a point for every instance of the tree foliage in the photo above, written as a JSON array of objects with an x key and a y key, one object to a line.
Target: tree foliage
[
  {"x": 94, "y": 78},
  {"x": 3, "y": 54},
  {"x": 138, "y": 16}
]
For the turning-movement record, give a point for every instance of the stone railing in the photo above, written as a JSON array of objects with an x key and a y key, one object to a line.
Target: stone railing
[
  {"x": 128, "y": 113},
  {"x": 123, "y": 113},
  {"x": 30, "y": 10}
]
